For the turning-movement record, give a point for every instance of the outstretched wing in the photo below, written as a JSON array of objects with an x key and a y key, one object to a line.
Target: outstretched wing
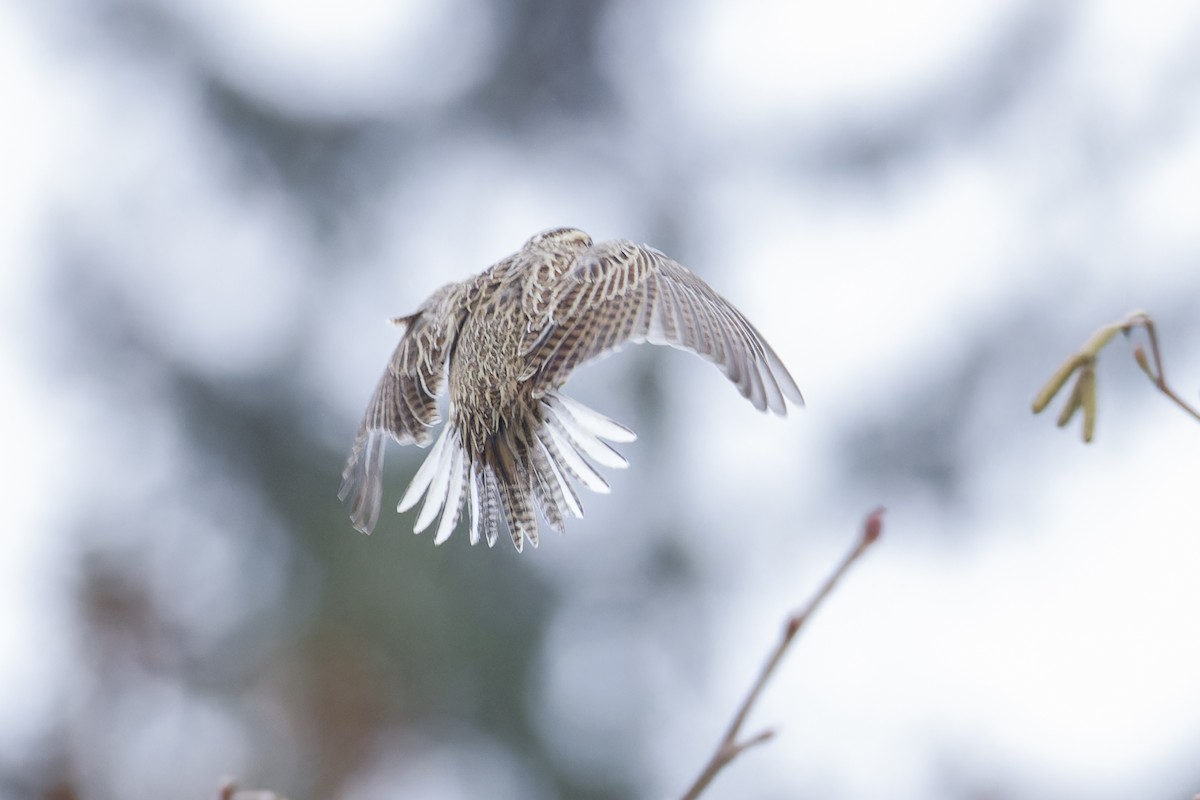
[
  {"x": 404, "y": 404},
  {"x": 619, "y": 292}
]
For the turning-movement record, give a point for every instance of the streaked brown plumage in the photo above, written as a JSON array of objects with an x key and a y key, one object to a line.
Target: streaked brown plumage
[{"x": 510, "y": 337}]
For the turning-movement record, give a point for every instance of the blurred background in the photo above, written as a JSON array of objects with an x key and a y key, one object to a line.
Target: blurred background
[{"x": 209, "y": 208}]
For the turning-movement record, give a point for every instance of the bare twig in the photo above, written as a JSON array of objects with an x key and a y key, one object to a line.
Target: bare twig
[
  {"x": 1083, "y": 362},
  {"x": 730, "y": 747},
  {"x": 228, "y": 791},
  {"x": 1157, "y": 375}
]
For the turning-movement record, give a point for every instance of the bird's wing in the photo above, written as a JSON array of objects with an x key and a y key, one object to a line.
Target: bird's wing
[
  {"x": 404, "y": 404},
  {"x": 619, "y": 292}
]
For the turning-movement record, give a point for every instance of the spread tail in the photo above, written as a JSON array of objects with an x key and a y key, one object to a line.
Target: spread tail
[{"x": 526, "y": 468}]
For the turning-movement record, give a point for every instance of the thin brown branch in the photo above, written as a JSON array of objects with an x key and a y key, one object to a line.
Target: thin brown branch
[
  {"x": 730, "y": 747},
  {"x": 1157, "y": 374},
  {"x": 228, "y": 791},
  {"x": 1083, "y": 363}
]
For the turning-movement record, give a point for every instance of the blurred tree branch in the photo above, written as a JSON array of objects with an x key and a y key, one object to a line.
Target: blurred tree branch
[
  {"x": 1083, "y": 362},
  {"x": 730, "y": 747},
  {"x": 228, "y": 791}
]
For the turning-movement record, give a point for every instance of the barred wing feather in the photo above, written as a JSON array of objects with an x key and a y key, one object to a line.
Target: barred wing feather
[
  {"x": 620, "y": 292},
  {"x": 404, "y": 405}
]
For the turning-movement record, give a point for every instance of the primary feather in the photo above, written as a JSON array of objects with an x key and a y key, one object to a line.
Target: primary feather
[{"x": 509, "y": 338}]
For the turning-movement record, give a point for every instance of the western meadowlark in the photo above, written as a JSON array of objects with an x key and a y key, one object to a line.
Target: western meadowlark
[{"x": 511, "y": 336}]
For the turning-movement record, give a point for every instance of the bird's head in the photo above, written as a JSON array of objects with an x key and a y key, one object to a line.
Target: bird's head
[{"x": 560, "y": 240}]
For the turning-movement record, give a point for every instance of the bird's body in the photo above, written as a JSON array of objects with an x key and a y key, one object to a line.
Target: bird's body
[{"x": 509, "y": 339}]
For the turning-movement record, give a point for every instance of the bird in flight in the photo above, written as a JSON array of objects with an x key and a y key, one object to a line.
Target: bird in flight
[{"x": 508, "y": 339}]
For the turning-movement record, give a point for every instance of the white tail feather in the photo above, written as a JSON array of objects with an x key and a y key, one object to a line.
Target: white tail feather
[
  {"x": 435, "y": 496},
  {"x": 595, "y": 422},
  {"x": 454, "y": 496},
  {"x": 473, "y": 503},
  {"x": 570, "y": 498},
  {"x": 425, "y": 474},
  {"x": 573, "y": 461},
  {"x": 583, "y": 440}
]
